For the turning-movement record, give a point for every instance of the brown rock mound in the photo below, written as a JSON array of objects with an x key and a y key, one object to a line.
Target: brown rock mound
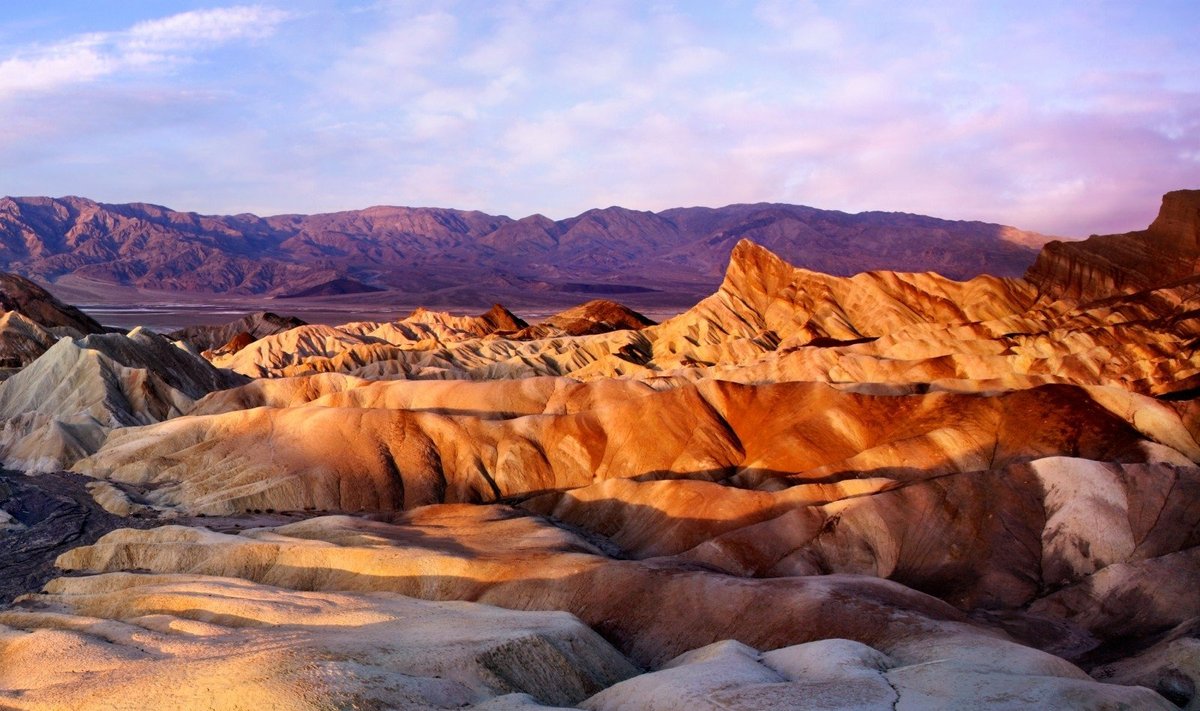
[
  {"x": 256, "y": 325},
  {"x": 593, "y": 317},
  {"x": 500, "y": 319},
  {"x": 495, "y": 320},
  {"x": 38, "y": 305}
]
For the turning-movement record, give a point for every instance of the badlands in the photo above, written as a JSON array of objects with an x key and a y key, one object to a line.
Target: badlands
[{"x": 880, "y": 491}]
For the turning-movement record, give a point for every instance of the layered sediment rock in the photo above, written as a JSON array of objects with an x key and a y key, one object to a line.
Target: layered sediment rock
[
  {"x": 38, "y": 305},
  {"x": 176, "y": 641},
  {"x": 32, "y": 320},
  {"x": 768, "y": 437},
  {"x": 59, "y": 408},
  {"x": 882, "y": 643},
  {"x": 1103, "y": 266}
]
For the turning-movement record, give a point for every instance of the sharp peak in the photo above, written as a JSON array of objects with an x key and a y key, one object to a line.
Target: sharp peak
[
  {"x": 752, "y": 261},
  {"x": 748, "y": 250}
]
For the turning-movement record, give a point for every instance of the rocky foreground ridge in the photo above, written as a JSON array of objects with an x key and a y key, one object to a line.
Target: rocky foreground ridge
[{"x": 890, "y": 490}]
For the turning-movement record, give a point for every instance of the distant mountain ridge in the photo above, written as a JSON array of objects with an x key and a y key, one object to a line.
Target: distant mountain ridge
[{"x": 436, "y": 250}]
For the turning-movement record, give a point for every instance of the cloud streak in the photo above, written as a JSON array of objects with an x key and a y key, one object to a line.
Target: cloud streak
[{"x": 147, "y": 45}]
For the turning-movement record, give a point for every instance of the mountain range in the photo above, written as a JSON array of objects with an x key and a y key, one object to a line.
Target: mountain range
[{"x": 467, "y": 258}]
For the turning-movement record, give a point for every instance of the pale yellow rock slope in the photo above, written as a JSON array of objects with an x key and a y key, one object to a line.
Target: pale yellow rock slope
[
  {"x": 922, "y": 651},
  {"x": 59, "y": 408},
  {"x": 123, "y": 641}
]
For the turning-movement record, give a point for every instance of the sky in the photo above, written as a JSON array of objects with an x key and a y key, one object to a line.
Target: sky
[{"x": 1069, "y": 118}]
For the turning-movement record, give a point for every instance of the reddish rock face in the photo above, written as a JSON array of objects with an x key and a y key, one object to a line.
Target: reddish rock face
[
  {"x": 1103, "y": 266},
  {"x": 233, "y": 345},
  {"x": 1178, "y": 221}
]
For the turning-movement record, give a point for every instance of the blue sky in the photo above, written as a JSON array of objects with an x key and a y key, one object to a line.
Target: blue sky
[{"x": 1067, "y": 118}]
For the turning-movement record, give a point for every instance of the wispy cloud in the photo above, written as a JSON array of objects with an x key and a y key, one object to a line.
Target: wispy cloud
[
  {"x": 147, "y": 45},
  {"x": 391, "y": 60},
  {"x": 200, "y": 28},
  {"x": 78, "y": 60}
]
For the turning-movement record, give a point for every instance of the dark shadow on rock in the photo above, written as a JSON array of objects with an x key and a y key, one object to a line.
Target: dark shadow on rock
[
  {"x": 56, "y": 513},
  {"x": 970, "y": 538}
]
